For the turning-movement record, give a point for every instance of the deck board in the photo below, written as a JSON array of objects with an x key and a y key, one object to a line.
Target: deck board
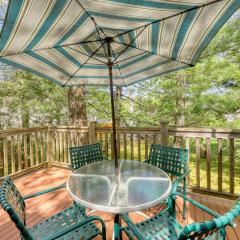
[{"x": 45, "y": 206}]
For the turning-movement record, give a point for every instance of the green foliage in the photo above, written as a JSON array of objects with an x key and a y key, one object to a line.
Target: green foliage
[{"x": 37, "y": 100}]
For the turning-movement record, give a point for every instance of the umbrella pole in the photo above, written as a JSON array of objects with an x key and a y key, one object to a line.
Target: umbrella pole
[{"x": 110, "y": 64}]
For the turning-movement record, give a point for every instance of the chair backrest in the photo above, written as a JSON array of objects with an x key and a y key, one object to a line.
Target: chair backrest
[
  {"x": 213, "y": 229},
  {"x": 169, "y": 159},
  {"x": 13, "y": 203},
  {"x": 85, "y": 154}
]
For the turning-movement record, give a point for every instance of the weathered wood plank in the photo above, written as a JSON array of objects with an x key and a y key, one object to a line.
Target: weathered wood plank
[
  {"x": 208, "y": 152},
  {"x": 118, "y": 145},
  {"x": 5, "y": 157},
  {"x": 146, "y": 146},
  {"x": 36, "y": 143},
  {"x": 106, "y": 144},
  {"x": 25, "y": 149},
  {"x": 220, "y": 161},
  {"x": 31, "y": 150},
  {"x": 57, "y": 146},
  {"x": 187, "y": 145},
  {"x": 13, "y": 162},
  {"x": 65, "y": 148},
  {"x": 125, "y": 146},
  {"x": 139, "y": 147},
  {"x": 198, "y": 162},
  {"x": 19, "y": 152},
  {"x": 131, "y": 146},
  {"x": 231, "y": 160}
]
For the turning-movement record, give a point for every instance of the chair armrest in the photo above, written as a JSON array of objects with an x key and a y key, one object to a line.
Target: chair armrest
[
  {"x": 44, "y": 191},
  {"x": 197, "y": 204},
  {"x": 204, "y": 208},
  {"x": 77, "y": 225},
  {"x": 178, "y": 180},
  {"x": 132, "y": 226}
]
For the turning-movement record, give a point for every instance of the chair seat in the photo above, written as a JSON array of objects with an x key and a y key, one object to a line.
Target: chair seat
[
  {"x": 161, "y": 227},
  {"x": 62, "y": 221}
]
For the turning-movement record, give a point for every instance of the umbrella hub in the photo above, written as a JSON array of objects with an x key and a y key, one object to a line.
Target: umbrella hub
[{"x": 108, "y": 40}]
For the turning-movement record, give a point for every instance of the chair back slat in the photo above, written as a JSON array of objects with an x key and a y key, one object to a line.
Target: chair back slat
[
  {"x": 85, "y": 154},
  {"x": 169, "y": 159},
  {"x": 13, "y": 203}
]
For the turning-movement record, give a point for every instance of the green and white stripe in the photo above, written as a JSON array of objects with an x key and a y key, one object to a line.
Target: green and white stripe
[{"x": 56, "y": 38}]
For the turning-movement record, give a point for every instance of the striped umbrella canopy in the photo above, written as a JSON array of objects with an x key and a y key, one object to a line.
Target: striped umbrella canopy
[{"x": 89, "y": 42}]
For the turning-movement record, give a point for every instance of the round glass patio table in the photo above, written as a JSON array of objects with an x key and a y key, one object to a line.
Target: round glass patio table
[{"x": 138, "y": 186}]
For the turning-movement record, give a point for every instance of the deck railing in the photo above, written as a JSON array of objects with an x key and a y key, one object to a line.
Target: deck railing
[
  {"x": 22, "y": 150},
  {"x": 214, "y": 153}
]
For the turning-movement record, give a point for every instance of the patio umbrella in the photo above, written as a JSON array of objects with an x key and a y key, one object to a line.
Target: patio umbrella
[{"x": 103, "y": 42}]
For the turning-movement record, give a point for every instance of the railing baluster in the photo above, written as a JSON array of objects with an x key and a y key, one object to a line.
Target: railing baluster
[
  {"x": 146, "y": 147},
  {"x": 31, "y": 150},
  {"x": 25, "y": 149},
  {"x": 61, "y": 146},
  {"x": 125, "y": 146},
  {"x": 220, "y": 155},
  {"x": 198, "y": 161},
  {"x": 41, "y": 148},
  {"x": 57, "y": 146},
  {"x": 112, "y": 155},
  {"x": 139, "y": 148},
  {"x": 106, "y": 144},
  {"x": 36, "y": 148},
  {"x": 13, "y": 162},
  {"x": 132, "y": 147},
  {"x": 208, "y": 150},
  {"x": 231, "y": 160},
  {"x": 19, "y": 143},
  {"x": 65, "y": 147},
  {"x": 188, "y": 147},
  {"x": 118, "y": 146},
  {"x": 5, "y": 157}
]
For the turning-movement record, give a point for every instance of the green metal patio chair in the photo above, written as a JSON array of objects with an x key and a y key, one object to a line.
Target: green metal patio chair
[
  {"x": 71, "y": 223},
  {"x": 164, "y": 226},
  {"x": 83, "y": 155},
  {"x": 173, "y": 161}
]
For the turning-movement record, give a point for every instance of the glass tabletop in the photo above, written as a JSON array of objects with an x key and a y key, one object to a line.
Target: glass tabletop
[{"x": 138, "y": 186}]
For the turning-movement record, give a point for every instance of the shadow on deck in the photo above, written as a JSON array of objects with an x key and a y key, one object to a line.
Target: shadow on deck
[{"x": 44, "y": 206}]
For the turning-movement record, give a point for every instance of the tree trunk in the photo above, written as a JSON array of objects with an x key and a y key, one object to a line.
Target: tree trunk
[
  {"x": 180, "y": 105},
  {"x": 77, "y": 106},
  {"x": 25, "y": 118},
  {"x": 77, "y": 110},
  {"x": 180, "y": 100}
]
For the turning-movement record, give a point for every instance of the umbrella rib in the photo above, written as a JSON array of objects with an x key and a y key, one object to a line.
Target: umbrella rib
[
  {"x": 86, "y": 54},
  {"x": 48, "y": 48},
  {"x": 145, "y": 51},
  {"x": 95, "y": 23},
  {"x": 74, "y": 74},
  {"x": 118, "y": 67},
  {"x": 171, "y": 16},
  {"x": 127, "y": 46},
  {"x": 96, "y": 26}
]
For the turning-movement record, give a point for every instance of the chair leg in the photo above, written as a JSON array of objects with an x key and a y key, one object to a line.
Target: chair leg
[{"x": 117, "y": 227}]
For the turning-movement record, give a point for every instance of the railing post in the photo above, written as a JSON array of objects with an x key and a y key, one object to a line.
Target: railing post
[
  {"x": 92, "y": 132},
  {"x": 164, "y": 132}
]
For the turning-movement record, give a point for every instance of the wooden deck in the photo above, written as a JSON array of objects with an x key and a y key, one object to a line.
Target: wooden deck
[{"x": 44, "y": 206}]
